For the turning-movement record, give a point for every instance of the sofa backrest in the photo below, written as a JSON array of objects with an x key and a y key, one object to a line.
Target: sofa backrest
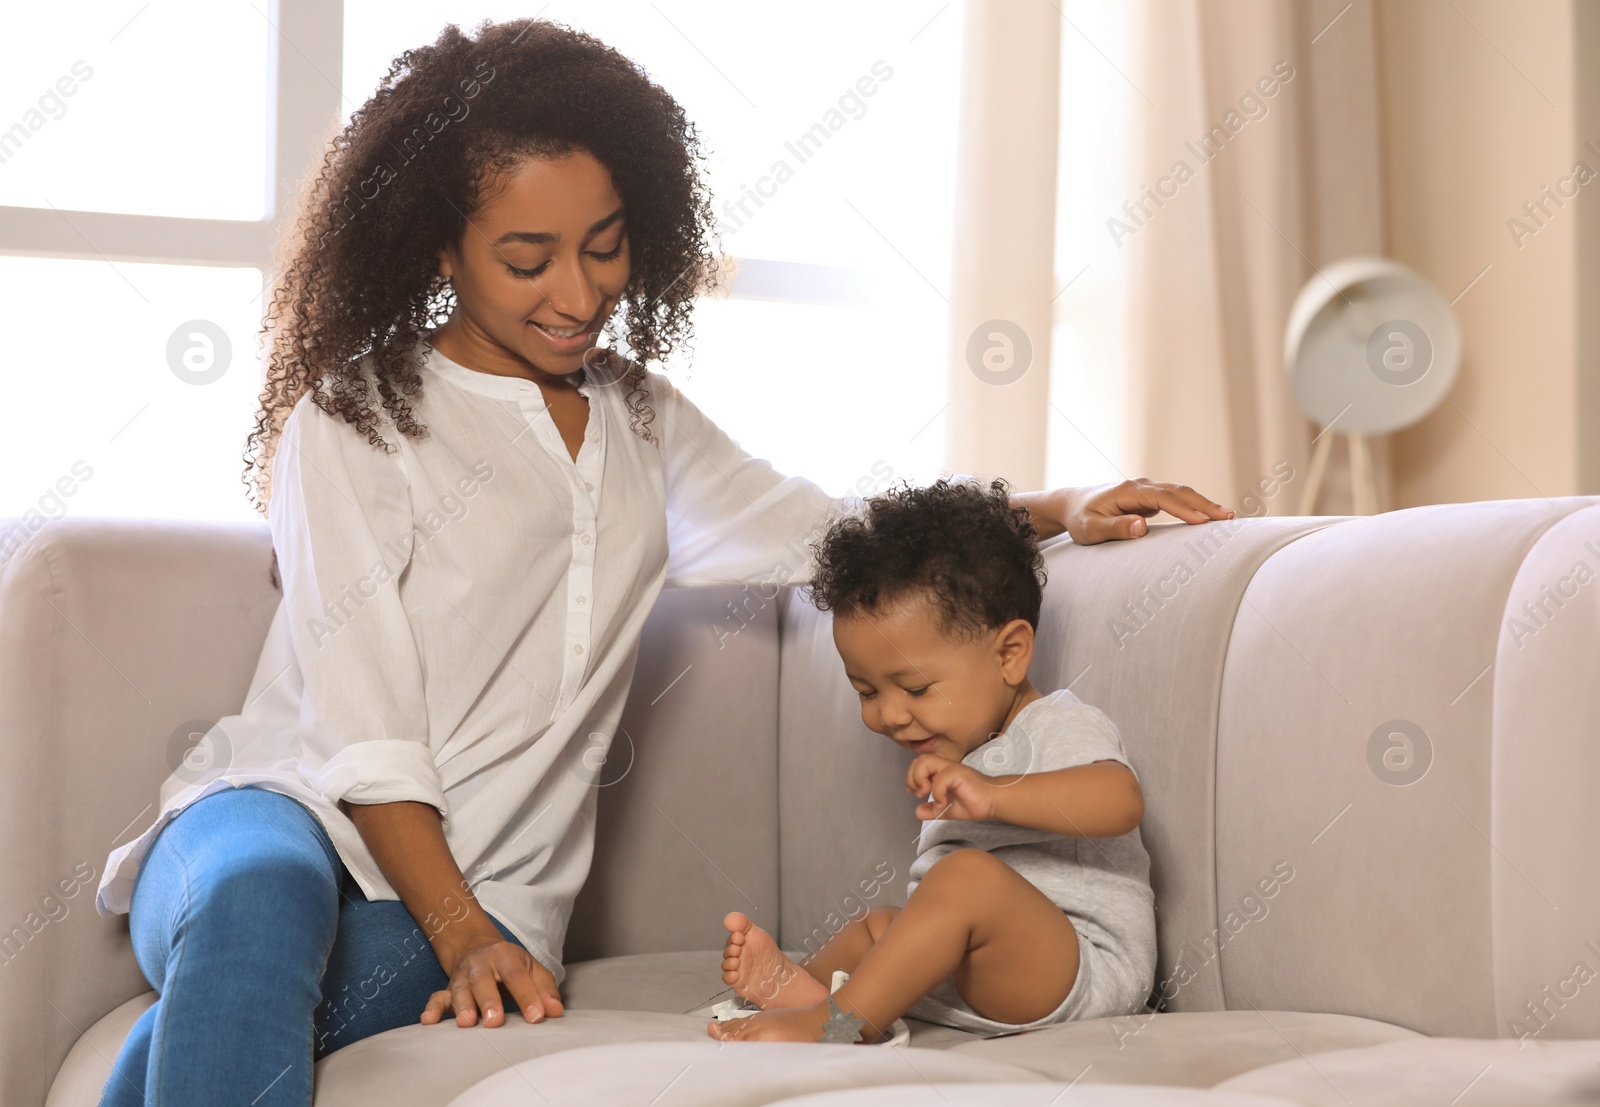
[
  {"x": 1388, "y": 722},
  {"x": 1367, "y": 748},
  {"x": 687, "y": 825}
]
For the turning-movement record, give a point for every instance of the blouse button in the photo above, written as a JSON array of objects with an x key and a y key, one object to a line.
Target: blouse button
[
  {"x": 582, "y": 600},
  {"x": 588, "y": 486},
  {"x": 585, "y": 539},
  {"x": 577, "y": 648}
]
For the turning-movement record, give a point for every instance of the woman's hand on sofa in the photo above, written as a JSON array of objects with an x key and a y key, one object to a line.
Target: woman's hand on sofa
[
  {"x": 475, "y": 979},
  {"x": 1111, "y": 511}
]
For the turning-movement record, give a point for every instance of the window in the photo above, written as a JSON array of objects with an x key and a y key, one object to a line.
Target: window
[
  {"x": 135, "y": 378},
  {"x": 142, "y": 150},
  {"x": 149, "y": 109}
]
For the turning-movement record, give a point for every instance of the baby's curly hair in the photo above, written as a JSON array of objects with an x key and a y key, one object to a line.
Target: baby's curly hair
[
  {"x": 963, "y": 546},
  {"x": 358, "y": 271}
]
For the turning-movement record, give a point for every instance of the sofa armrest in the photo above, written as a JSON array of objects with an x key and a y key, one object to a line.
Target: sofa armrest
[{"x": 114, "y": 634}]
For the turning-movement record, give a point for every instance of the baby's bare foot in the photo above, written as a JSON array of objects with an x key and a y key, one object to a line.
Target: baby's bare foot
[
  {"x": 759, "y": 972},
  {"x": 778, "y": 1025},
  {"x": 803, "y": 1024}
]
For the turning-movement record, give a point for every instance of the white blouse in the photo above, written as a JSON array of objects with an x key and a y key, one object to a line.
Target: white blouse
[{"x": 460, "y": 620}]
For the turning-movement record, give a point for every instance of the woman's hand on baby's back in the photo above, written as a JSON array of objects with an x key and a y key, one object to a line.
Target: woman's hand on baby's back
[
  {"x": 954, "y": 790},
  {"x": 475, "y": 979}
]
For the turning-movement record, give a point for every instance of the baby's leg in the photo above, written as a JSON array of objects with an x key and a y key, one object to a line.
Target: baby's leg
[
  {"x": 761, "y": 973},
  {"x": 846, "y": 948},
  {"x": 1014, "y": 954}
]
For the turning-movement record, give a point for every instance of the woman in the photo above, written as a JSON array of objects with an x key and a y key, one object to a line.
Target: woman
[{"x": 472, "y": 521}]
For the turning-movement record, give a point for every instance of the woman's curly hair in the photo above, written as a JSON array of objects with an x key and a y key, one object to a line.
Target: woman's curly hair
[
  {"x": 358, "y": 272},
  {"x": 962, "y": 546}
]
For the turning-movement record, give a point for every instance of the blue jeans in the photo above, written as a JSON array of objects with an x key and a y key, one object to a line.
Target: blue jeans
[{"x": 266, "y": 955}]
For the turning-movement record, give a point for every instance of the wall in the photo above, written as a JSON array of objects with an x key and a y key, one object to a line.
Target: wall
[{"x": 1479, "y": 109}]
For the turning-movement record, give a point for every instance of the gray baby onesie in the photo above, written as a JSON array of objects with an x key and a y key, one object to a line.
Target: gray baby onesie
[{"x": 1103, "y": 884}]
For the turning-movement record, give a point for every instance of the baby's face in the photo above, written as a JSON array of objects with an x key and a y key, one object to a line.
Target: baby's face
[{"x": 925, "y": 690}]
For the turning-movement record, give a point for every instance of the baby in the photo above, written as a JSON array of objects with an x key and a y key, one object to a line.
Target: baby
[{"x": 1029, "y": 902}]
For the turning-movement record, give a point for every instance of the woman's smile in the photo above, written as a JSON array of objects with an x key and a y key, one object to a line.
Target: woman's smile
[{"x": 570, "y": 340}]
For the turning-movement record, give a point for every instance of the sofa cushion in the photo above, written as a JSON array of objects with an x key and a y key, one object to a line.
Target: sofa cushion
[
  {"x": 1545, "y": 759},
  {"x": 678, "y": 983},
  {"x": 1031, "y": 1095},
  {"x": 83, "y": 1074},
  {"x": 1197, "y": 1050},
  {"x": 720, "y": 1074},
  {"x": 1352, "y": 635},
  {"x": 410, "y": 1064},
  {"x": 434, "y": 1064},
  {"x": 669, "y": 983},
  {"x": 1471, "y": 1072},
  {"x": 615, "y": 999},
  {"x": 639, "y": 997},
  {"x": 697, "y": 752}
]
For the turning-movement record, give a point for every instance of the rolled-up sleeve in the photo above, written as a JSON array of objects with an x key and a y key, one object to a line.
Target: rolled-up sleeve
[
  {"x": 731, "y": 517},
  {"x": 340, "y": 512}
]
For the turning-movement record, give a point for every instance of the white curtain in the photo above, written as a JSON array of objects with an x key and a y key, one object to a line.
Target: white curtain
[{"x": 1255, "y": 162}]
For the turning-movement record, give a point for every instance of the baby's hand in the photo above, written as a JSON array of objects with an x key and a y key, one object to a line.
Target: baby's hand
[{"x": 955, "y": 791}]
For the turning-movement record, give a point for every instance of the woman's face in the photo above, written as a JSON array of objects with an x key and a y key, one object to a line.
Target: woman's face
[{"x": 540, "y": 267}]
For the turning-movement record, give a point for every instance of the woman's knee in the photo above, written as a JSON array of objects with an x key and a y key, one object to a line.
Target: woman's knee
[
  {"x": 267, "y": 877},
  {"x": 256, "y": 855}
]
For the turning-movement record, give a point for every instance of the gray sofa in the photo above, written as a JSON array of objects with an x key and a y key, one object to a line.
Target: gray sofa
[{"x": 1368, "y": 749}]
